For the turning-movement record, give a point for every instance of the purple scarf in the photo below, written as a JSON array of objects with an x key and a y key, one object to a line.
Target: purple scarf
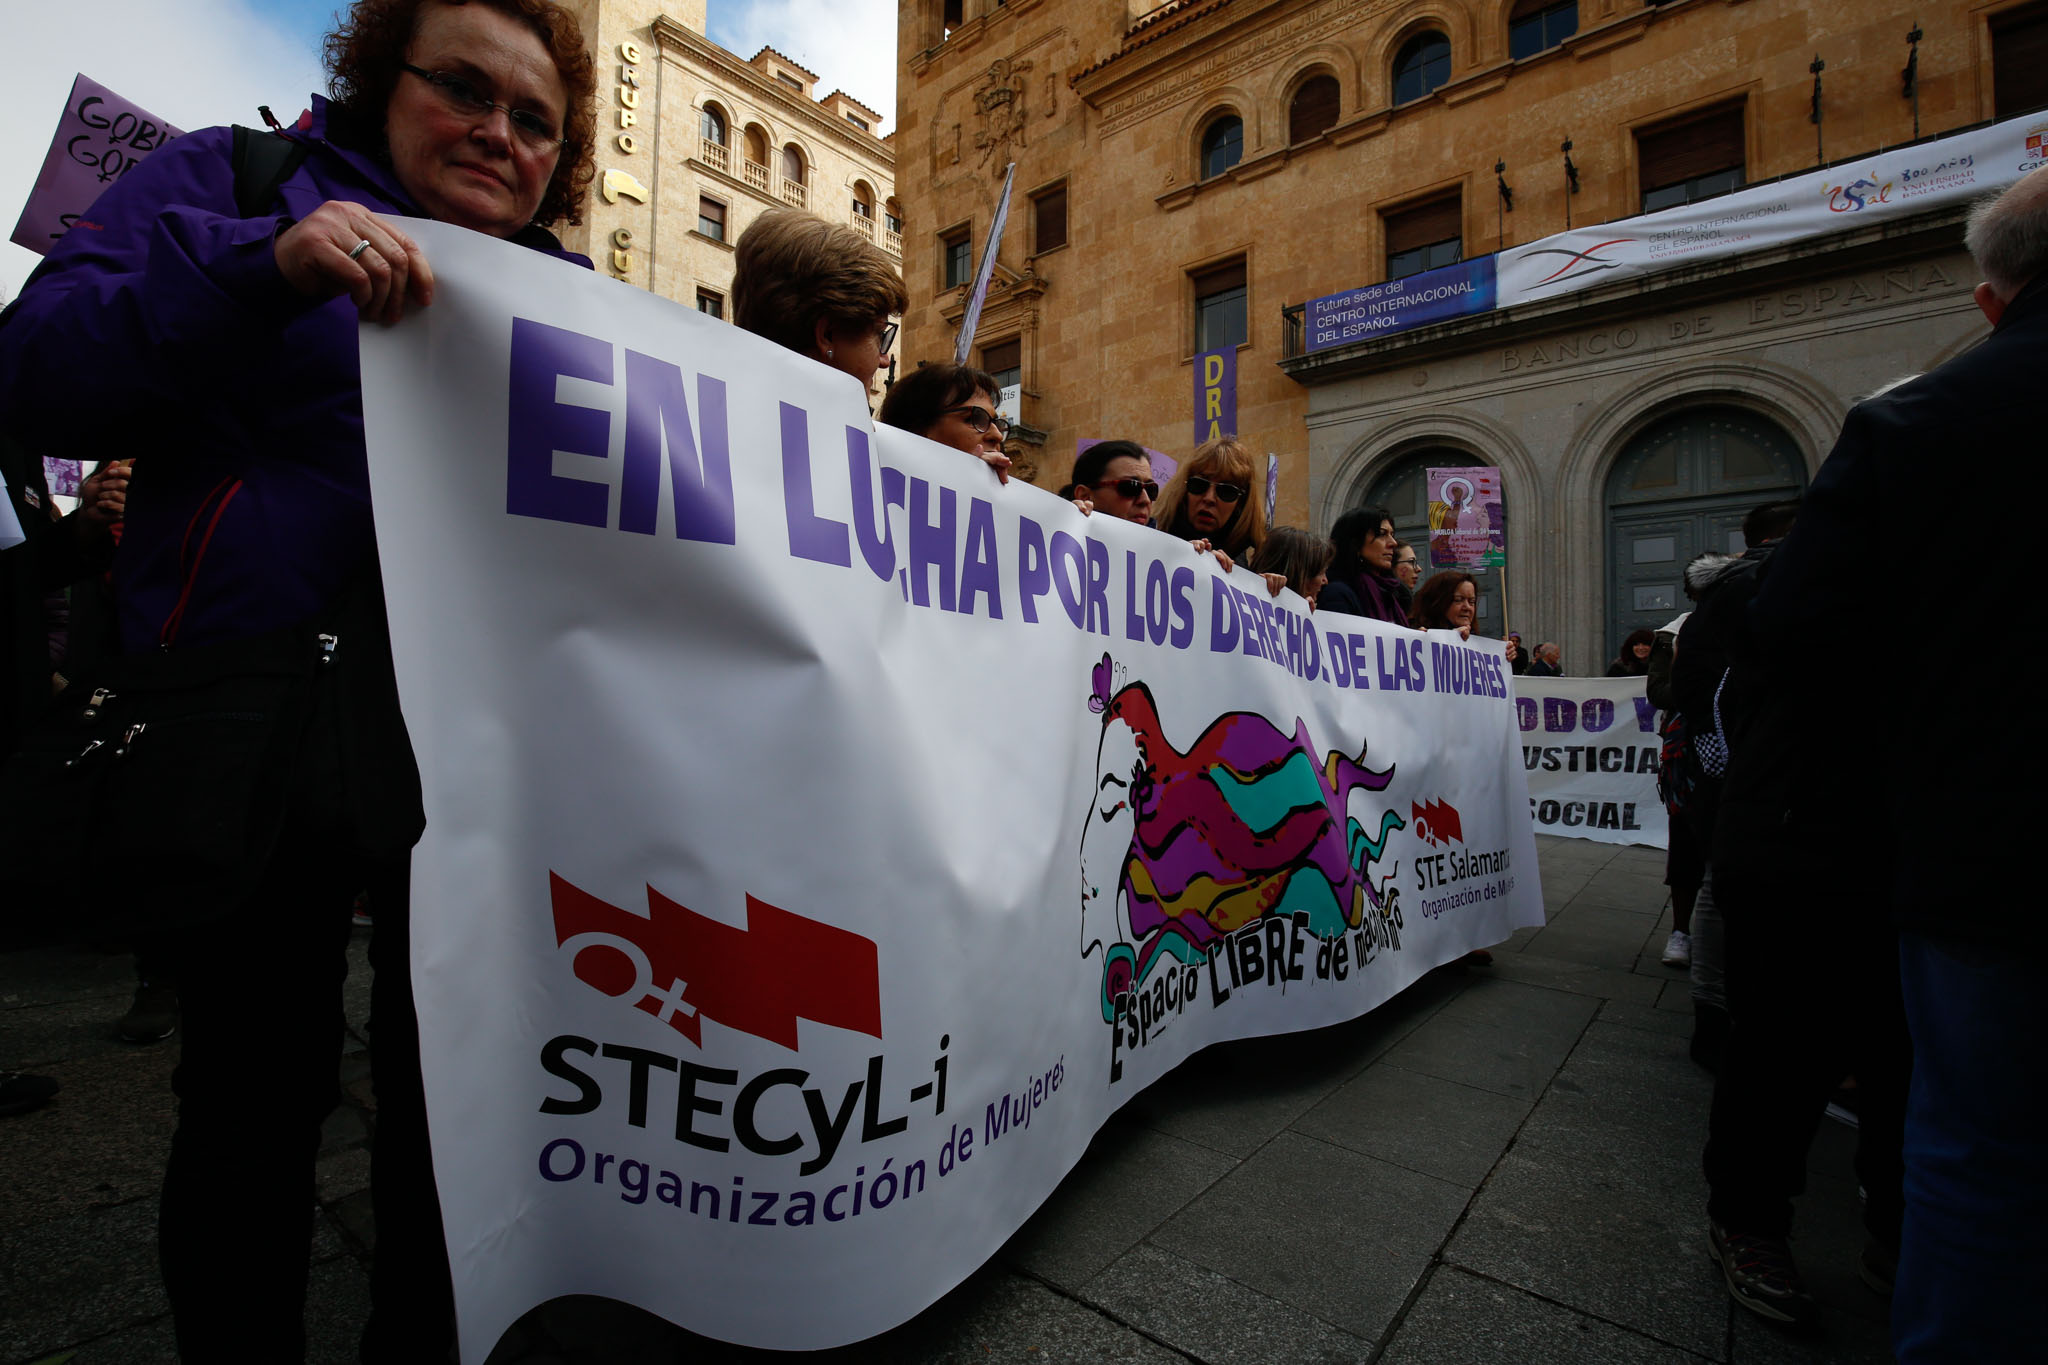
[{"x": 1380, "y": 595}]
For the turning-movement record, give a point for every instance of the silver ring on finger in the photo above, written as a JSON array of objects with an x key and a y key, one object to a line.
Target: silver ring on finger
[{"x": 359, "y": 248}]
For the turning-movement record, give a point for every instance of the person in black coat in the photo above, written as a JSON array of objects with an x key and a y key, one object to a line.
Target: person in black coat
[{"x": 1953, "y": 778}]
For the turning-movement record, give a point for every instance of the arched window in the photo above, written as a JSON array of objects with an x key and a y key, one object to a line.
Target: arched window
[
  {"x": 1312, "y": 110},
  {"x": 894, "y": 214},
  {"x": 757, "y": 145},
  {"x": 711, "y": 126},
  {"x": 864, "y": 202},
  {"x": 793, "y": 164},
  {"x": 1222, "y": 145},
  {"x": 1538, "y": 25},
  {"x": 1423, "y": 64}
]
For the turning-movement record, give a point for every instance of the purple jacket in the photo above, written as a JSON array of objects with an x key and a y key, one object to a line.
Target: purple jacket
[{"x": 162, "y": 329}]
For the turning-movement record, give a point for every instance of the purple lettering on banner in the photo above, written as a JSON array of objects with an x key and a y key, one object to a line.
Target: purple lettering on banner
[
  {"x": 1646, "y": 716},
  {"x": 1182, "y": 591},
  {"x": 1340, "y": 662},
  {"x": 1222, "y": 617},
  {"x": 980, "y": 577},
  {"x": 931, "y": 546},
  {"x": 99, "y": 138},
  {"x": 539, "y": 426},
  {"x": 877, "y": 546},
  {"x": 1596, "y": 714},
  {"x": 657, "y": 413},
  {"x": 1525, "y": 712},
  {"x": 1560, "y": 717},
  {"x": 810, "y": 536},
  {"x": 1034, "y": 569},
  {"x": 1098, "y": 587},
  {"x": 1068, "y": 554}
]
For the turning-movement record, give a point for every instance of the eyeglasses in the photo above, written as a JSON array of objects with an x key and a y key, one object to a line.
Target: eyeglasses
[
  {"x": 1131, "y": 487},
  {"x": 533, "y": 131},
  {"x": 888, "y": 339},
  {"x": 980, "y": 418},
  {"x": 1225, "y": 492}
]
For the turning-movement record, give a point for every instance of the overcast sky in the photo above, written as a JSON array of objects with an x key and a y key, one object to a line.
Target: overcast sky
[{"x": 196, "y": 63}]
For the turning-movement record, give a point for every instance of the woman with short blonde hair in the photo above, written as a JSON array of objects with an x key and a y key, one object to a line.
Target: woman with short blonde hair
[
  {"x": 1219, "y": 496},
  {"x": 818, "y": 288}
]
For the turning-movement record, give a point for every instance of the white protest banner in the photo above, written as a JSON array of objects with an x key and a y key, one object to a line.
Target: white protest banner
[
  {"x": 824, "y": 839},
  {"x": 1590, "y": 747},
  {"x": 1886, "y": 184}
]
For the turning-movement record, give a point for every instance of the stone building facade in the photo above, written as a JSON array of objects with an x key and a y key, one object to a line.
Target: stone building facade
[
  {"x": 1185, "y": 165},
  {"x": 695, "y": 143}
]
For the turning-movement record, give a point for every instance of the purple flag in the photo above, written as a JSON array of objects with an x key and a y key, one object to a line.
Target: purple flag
[
  {"x": 99, "y": 137},
  {"x": 1215, "y": 394}
]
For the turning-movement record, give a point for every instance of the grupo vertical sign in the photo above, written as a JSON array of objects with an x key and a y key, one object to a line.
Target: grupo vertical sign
[
  {"x": 99, "y": 137},
  {"x": 1215, "y": 394}
]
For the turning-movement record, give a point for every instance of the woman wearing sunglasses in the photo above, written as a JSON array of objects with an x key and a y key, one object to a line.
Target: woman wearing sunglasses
[
  {"x": 954, "y": 405},
  {"x": 1217, "y": 497},
  {"x": 820, "y": 289},
  {"x": 1115, "y": 477}
]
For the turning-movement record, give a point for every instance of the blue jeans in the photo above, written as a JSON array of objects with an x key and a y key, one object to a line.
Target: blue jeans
[{"x": 1973, "y": 1267}]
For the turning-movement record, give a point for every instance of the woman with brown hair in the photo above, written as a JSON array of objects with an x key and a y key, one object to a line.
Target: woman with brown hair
[
  {"x": 954, "y": 405},
  {"x": 239, "y": 332},
  {"x": 1218, "y": 496},
  {"x": 819, "y": 289},
  {"x": 1449, "y": 600},
  {"x": 1301, "y": 557}
]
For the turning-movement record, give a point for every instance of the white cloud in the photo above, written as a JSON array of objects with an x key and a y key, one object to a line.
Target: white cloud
[
  {"x": 195, "y": 63},
  {"x": 851, "y": 44}
]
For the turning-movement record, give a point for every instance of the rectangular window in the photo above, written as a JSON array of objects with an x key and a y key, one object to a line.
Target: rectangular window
[
  {"x": 2019, "y": 60},
  {"x": 957, "y": 252},
  {"x": 789, "y": 80},
  {"x": 708, "y": 302},
  {"x": 952, "y": 15},
  {"x": 1003, "y": 361},
  {"x": 866, "y": 211},
  {"x": 1425, "y": 236},
  {"x": 859, "y": 123},
  {"x": 711, "y": 218},
  {"x": 1693, "y": 159},
  {"x": 1049, "y": 218},
  {"x": 895, "y": 223},
  {"x": 1221, "y": 315}
]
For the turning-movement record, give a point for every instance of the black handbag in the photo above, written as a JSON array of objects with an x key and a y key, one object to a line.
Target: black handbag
[{"x": 156, "y": 793}]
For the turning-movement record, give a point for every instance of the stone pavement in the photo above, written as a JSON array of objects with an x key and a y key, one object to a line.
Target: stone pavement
[{"x": 1501, "y": 1164}]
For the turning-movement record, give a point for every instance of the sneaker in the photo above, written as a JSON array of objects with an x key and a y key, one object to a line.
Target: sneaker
[
  {"x": 359, "y": 913},
  {"x": 1846, "y": 1107},
  {"x": 1760, "y": 1274},
  {"x": 1877, "y": 1267},
  {"x": 19, "y": 1093},
  {"x": 152, "y": 1018},
  {"x": 1678, "y": 949}
]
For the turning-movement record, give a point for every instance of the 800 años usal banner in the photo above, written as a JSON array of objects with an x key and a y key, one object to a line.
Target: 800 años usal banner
[{"x": 825, "y": 840}]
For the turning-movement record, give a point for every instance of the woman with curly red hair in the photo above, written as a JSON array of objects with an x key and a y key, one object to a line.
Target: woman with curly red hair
[{"x": 249, "y": 532}]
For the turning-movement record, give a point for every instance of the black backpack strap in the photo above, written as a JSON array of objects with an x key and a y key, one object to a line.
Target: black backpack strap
[{"x": 262, "y": 160}]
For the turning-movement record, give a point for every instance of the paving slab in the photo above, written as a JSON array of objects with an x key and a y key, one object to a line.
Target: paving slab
[
  {"x": 78, "y": 1277},
  {"x": 1460, "y": 1318},
  {"x": 1654, "y": 1018},
  {"x": 1595, "y": 935},
  {"x": 1581, "y": 978},
  {"x": 1440, "y": 1128},
  {"x": 1131, "y": 1178},
  {"x": 1629, "y": 1089},
  {"x": 102, "y": 1141},
  {"x": 1215, "y": 1319},
  {"x": 1485, "y": 1046},
  {"x": 1618, "y": 1235},
  {"x": 1340, "y": 1236}
]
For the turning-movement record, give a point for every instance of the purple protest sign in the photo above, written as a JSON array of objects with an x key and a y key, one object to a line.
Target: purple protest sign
[
  {"x": 99, "y": 137},
  {"x": 1215, "y": 394}
]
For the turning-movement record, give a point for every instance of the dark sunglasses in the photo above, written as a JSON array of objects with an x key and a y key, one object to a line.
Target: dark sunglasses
[
  {"x": 979, "y": 418},
  {"x": 458, "y": 94},
  {"x": 1131, "y": 487},
  {"x": 889, "y": 339},
  {"x": 1225, "y": 492}
]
